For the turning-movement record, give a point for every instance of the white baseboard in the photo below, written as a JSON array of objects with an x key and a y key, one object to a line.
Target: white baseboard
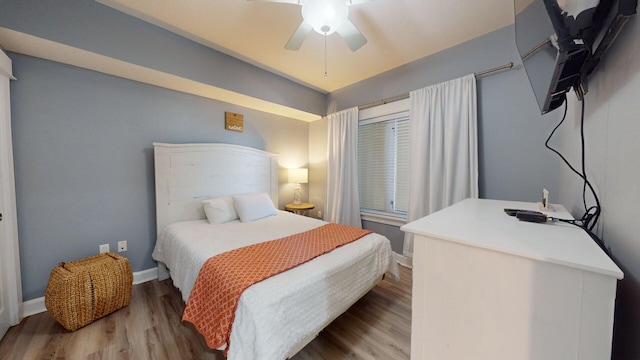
[
  {"x": 403, "y": 260},
  {"x": 145, "y": 275},
  {"x": 36, "y": 306},
  {"x": 32, "y": 307}
]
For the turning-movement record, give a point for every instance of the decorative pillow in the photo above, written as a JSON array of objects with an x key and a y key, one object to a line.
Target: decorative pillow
[
  {"x": 220, "y": 210},
  {"x": 253, "y": 206}
]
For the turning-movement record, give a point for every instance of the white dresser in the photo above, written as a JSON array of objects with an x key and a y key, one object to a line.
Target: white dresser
[{"x": 488, "y": 286}]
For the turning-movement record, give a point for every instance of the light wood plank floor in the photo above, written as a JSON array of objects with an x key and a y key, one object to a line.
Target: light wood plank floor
[{"x": 376, "y": 327}]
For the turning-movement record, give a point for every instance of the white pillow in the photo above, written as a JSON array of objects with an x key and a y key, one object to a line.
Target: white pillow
[
  {"x": 220, "y": 210},
  {"x": 253, "y": 206}
]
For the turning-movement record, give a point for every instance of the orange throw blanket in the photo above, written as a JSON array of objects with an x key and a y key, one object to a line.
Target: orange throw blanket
[{"x": 222, "y": 279}]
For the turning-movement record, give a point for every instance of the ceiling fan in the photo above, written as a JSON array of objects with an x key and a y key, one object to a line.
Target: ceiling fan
[{"x": 325, "y": 17}]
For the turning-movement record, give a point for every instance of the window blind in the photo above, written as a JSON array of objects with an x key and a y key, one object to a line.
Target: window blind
[{"x": 383, "y": 164}]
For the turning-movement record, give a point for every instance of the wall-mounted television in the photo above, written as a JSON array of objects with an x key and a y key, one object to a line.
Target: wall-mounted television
[{"x": 562, "y": 41}]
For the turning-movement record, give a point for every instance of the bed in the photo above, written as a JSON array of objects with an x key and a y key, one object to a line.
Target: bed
[{"x": 276, "y": 317}]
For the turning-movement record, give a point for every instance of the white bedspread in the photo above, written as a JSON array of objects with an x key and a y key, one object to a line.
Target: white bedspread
[{"x": 275, "y": 316}]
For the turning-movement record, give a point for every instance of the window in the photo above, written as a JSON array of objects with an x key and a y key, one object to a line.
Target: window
[{"x": 383, "y": 166}]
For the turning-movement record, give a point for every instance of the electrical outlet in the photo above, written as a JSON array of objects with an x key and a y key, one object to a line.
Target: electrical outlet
[
  {"x": 122, "y": 246},
  {"x": 104, "y": 248},
  {"x": 319, "y": 214}
]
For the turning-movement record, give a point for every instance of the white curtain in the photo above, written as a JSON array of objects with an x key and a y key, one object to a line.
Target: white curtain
[
  {"x": 443, "y": 148},
  {"x": 343, "y": 204}
]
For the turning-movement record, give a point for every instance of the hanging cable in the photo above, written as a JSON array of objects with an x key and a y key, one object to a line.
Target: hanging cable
[
  {"x": 584, "y": 173},
  {"x": 591, "y": 215}
]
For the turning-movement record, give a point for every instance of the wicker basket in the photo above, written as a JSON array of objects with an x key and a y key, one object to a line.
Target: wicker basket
[{"x": 85, "y": 290}]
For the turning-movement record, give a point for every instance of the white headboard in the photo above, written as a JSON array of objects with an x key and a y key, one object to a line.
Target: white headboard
[{"x": 186, "y": 174}]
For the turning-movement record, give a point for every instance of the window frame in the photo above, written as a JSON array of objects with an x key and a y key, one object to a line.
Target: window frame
[{"x": 380, "y": 113}]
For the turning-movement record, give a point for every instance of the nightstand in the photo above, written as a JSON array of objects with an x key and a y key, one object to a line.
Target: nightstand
[{"x": 300, "y": 209}]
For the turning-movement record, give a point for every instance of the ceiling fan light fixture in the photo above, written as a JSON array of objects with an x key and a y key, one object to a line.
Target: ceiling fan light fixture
[{"x": 325, "y": 16}]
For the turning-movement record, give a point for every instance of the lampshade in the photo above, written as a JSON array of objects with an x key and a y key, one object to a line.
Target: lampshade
[
  {"x": 299, "y": 176},
  {"x": 325, "y": 16}
]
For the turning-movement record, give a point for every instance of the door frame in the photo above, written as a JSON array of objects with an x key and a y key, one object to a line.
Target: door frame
[{"x": 10, "y": 264}]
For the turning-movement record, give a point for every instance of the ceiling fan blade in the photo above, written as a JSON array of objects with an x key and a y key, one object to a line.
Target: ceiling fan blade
[
  {"x": 298, "y": 37},
  {"x": 351, "y": 35}
]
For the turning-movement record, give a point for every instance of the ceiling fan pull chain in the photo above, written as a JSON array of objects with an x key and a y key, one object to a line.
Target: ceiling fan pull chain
[{"x": 325, "y": 57}]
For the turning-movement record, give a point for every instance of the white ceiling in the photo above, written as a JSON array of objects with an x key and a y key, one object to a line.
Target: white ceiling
[{"x": 398, "y": 32}]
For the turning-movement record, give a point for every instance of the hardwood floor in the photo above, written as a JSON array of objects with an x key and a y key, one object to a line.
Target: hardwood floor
[{"x": 376, "y": 327}]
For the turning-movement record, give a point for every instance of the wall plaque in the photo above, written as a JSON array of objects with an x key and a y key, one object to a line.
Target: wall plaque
[{"x": 233, "y": 122}]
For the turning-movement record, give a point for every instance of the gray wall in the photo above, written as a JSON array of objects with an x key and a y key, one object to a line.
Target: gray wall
[
  {"x": 91, "y": 26},
  {"x": 82, "y": 140},
  {"x": 612, "y": 131},
  {"x": 513, "y": 162},
  {"x": 393, "y": 233},
  {"x": 84, "y": 159}
]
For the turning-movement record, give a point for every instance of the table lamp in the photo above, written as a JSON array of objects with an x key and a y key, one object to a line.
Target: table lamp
[{"x": 298, "y": 176}]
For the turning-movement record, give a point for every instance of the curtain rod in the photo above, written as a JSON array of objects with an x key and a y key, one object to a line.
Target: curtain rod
[{"x": 406, "y": 95}]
